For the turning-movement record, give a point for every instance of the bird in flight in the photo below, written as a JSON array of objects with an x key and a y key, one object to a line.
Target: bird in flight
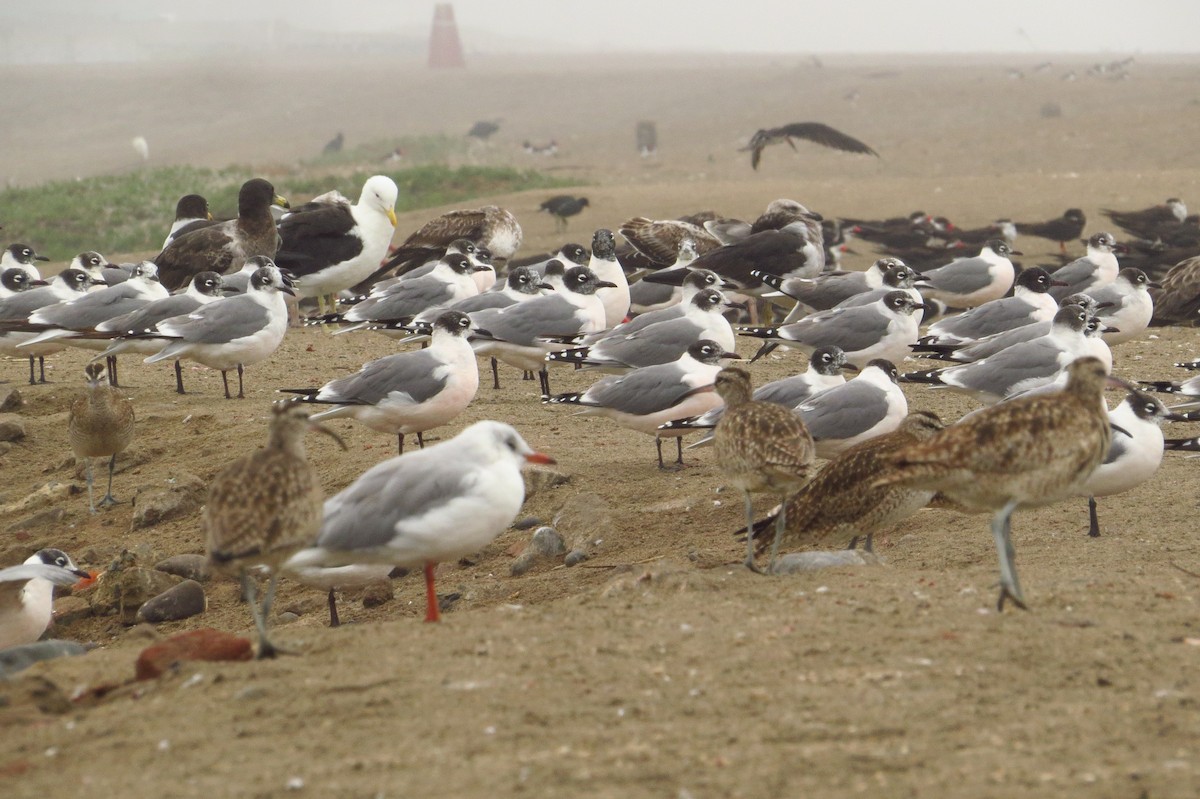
[{"x": 812, "y": 131}]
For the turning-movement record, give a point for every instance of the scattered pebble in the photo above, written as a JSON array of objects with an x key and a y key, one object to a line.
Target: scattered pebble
[
  {"x": 10, "y": 400},
  {"x": 180, "y": 601},
  {"x": 189, "y": 567},
  {"x": 547, "y": 543},
  {"x": 11, "y": 429},
  {"x": 575, "y": 557}
]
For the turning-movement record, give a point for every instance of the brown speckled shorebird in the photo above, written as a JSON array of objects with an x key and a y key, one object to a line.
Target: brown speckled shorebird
[
  {"x": 841, "y": 503},
  {"x": 1025, "y": 453},
  {"x": 264, "y": 507},
  {"x": 760, "y": 446},
  {"x": 100, "y": 423}
]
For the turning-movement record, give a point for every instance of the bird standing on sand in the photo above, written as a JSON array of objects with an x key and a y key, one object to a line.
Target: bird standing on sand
[
  {"x": 263, "y": 508},
  {"x": 428, "y": 506},
  {"x": 27, "y": 595},
  {"x": 817, "y": 132},
  {"x": 1135, "y": 453},
  {"x": 840, "y": 503},
  {"x": 407, "y": 392},
  {"x": 1067, "y": 227},
  {"x": 100, "y": 423},
  {"x": 562, "y": 207},
  {"x": 1024, "y": 453},
  {"x": 233, "y": 332},
  {"x": 331, "y": 246},
  {"x": 760, "y": 447}
]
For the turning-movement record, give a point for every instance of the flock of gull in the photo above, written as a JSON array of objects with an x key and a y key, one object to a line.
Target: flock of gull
[{"x": 656, "y": 312}]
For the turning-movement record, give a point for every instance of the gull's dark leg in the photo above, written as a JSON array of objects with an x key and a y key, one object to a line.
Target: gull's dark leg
[
  {"x": 179, "y": 377},
  {"x": 1093, "y": 520},
  {"x": 241, "y": 393},
  {"x": 225, "y": 380}
]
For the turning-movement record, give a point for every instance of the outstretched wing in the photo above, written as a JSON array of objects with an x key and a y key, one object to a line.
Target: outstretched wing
[{"x": 826, "y": 136}]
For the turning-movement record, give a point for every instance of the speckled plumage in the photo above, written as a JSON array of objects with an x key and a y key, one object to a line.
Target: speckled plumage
[
  {"x": 265, "y": 507},
  {"x": 1027, "y": 452},
  {"x": 840, "y": 501},
  {"x": 100, "y": 423},
  {"x": 759, "y": 446}
]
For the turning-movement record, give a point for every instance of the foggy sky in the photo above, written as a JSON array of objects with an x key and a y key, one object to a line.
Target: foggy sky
[
  {"x": 761, "y": 26},
  {"x": 833, "y": 25}
]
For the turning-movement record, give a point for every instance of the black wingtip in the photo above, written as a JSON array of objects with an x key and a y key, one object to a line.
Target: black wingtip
[{"x": 931, "y": 376}]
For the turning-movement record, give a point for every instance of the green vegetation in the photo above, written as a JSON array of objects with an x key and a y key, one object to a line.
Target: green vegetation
[{"x": 131, "y": 212}]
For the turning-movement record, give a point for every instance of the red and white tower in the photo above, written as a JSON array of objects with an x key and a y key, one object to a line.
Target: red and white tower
[{"x": 445, "y": 48}]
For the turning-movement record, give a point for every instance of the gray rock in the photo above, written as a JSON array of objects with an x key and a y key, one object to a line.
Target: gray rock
[
  {"x": 547, "y": 543},
  {"x": 179, "y": 497},
  {"x": 189, "y": 567},
  {"x": 575, "y": 557},
  {"x": 18, "y": 658},
  {"x": 180, "y": 601},
  {"x": 543, "y": 479},
  {"x": 528, "y": 523},
  {"x": 10, "y": 400},
  {"x": 803, "y": 562},
  {"x": 11, "y": 428}
]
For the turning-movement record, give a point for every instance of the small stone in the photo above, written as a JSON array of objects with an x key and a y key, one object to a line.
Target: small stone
[
  {"x": 528, "y": 523},
  {"x": 286, "y": 617},
  {"x": 189, "y": 567},
  {"x": 10, "y": 400},
  {"x": 180, "y": 601},
  {"x": 547, "y": 543},
  {"x": 159, "y": 504},
  {"x": 17, "y": 658},
  {"x": 123, "y": 590},
  {"x": 11, "y": 428},
  {"x": 5, "y": 447},
  {"x": 203, "y": 644},
  {"x": 803, "y": 562},
  {"x": 575, "y": 557},
  {"x": 538, "y": 480}
]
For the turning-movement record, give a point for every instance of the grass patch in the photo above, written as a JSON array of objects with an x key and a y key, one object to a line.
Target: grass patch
[{"x": 132, "y": 212}]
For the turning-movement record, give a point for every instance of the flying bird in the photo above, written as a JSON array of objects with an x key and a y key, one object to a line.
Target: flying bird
[{"x": 811, "y": 131}]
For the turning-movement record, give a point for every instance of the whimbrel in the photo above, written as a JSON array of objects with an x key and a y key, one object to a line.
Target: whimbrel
[
  {"x": 760, "y": 447},
  {"x": 100, "y": 423},
  {"x": 264, "y": 507},
  {"x": 841, "y": 503},
  {"x": 1027, "y": 452}
]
